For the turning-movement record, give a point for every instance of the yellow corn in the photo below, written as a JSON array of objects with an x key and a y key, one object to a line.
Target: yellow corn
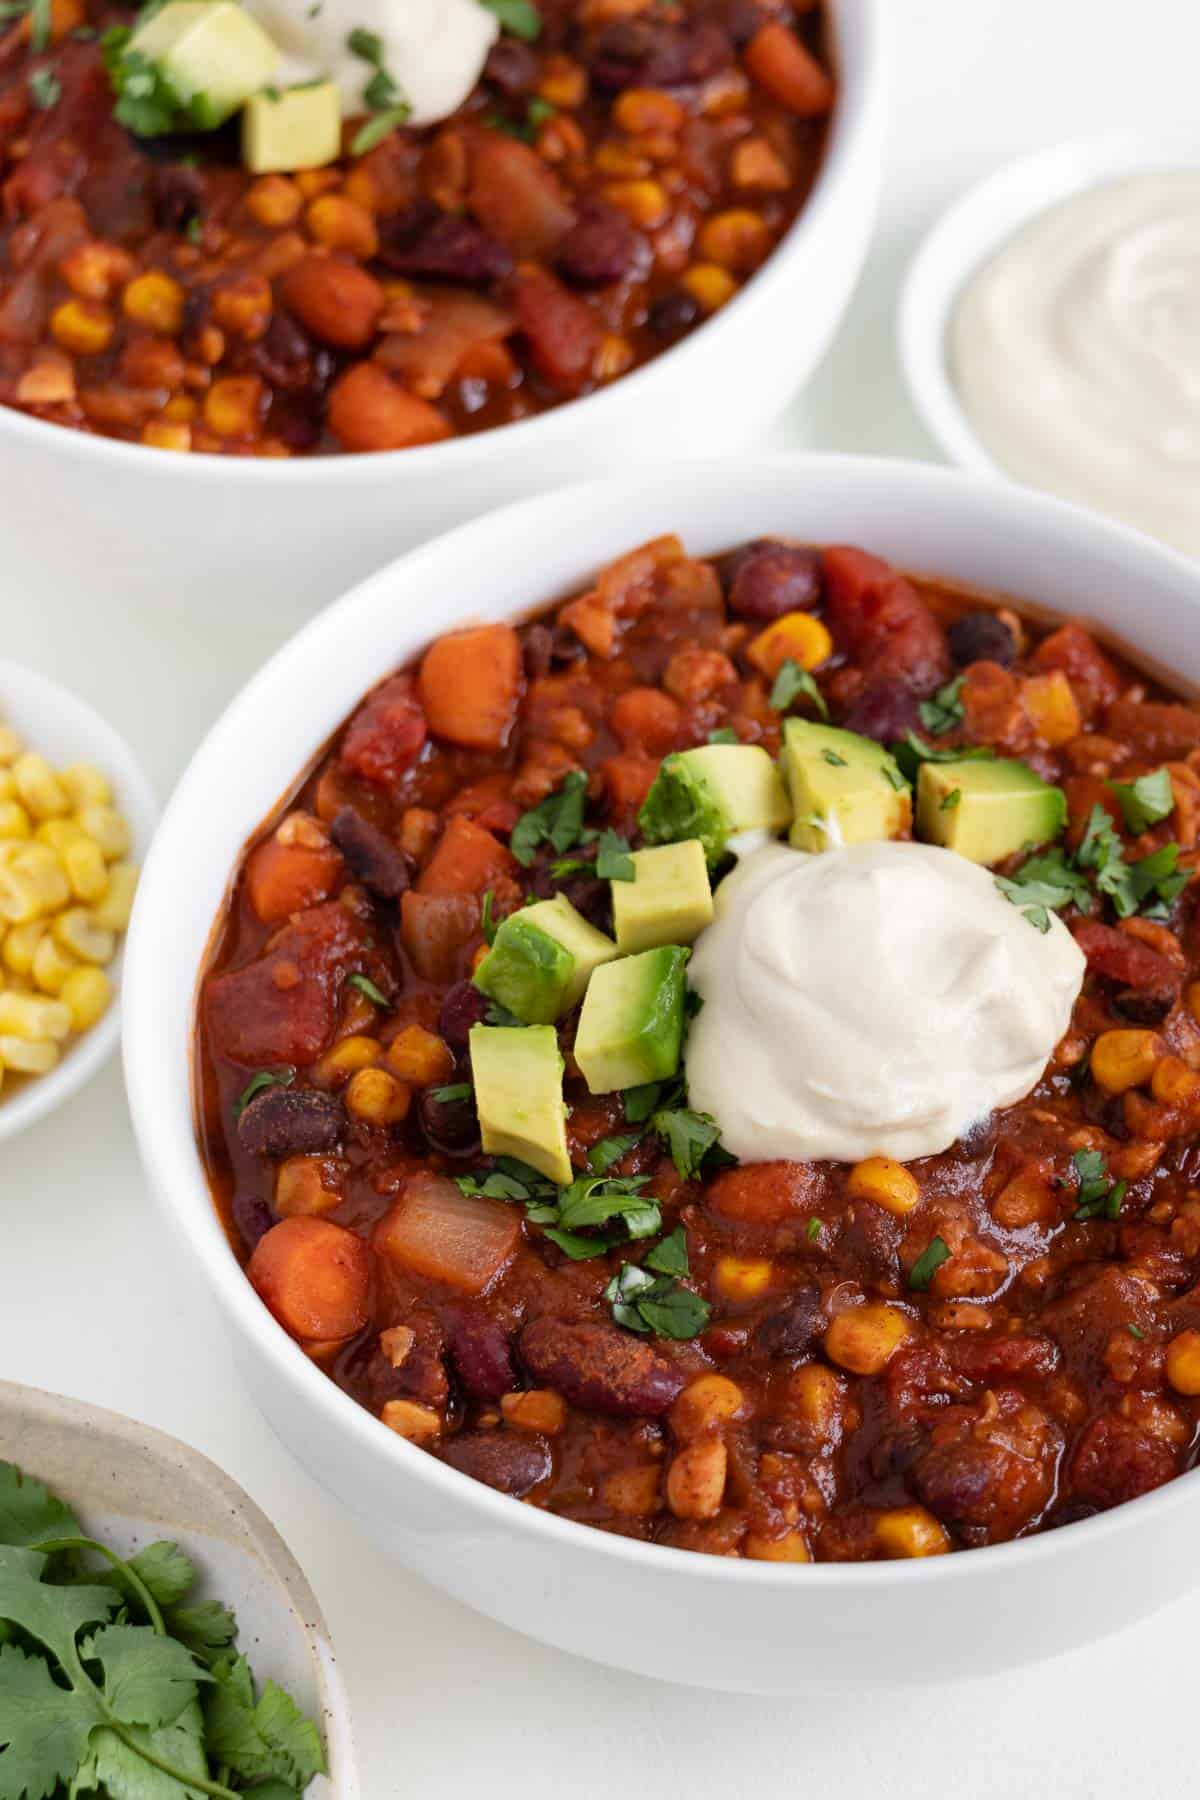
[
  {"x": 14, "y": 820},
  {"x": 910, "y": 1531},
  {"x": 738, "y": 239},
  {"x": 108, "y": 829},
  {"x": 51, "y": 964},
  {"x": 77, "y": 932},
  {"x": 32, "y": 883},
  {"x": 376, "y": 1097},
  {"x": 85, "y": 785},
  {"x": 58, "y": 833},
  {"x": 27, "y": 1016},
  {"x": 408, "y": 1420},
  {"x": 155, "y": 301},
  {"x": 86, "y": 869},
  {"x": 1051, "y": 707},
  {"x": 8, "y": 785},
  {"x": 20, "y": 946},
  {"x": 10, "y": 744},
  {"x": 742, "y": 1277},
  {"x": 111, "y": 912},
  {"x": 790, "y": 1548},
  {"x": 88, "y": 993},
  {"x": 28, "y": 1056},
  {"x": 84, "y": 327},
  {"x": 864, "y": 1339},
  {"x": 420, "y": 1057},
  {"x": 709, "y": 286},
  {"x": 1124, "y": 1059},
  {"x": 796, "y": 637},
  {"x": 38, "y": 786},
  {"x": 889, "y": 1184},
  {"x": 345, "y": 1059}
]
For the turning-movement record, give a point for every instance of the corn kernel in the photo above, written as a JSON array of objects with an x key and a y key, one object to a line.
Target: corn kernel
[
  {"x": 755, "y": 164},
  {"x": 1183, "y": 1363},
  {"x": 706, "y": 1404},
  {"x": 77, "y": 932},
  {"x": 796, "y": 637},
  {"x": 738, "y": 240},
  {"x": 274, "y": 201},
  {"x": 109, "y": 830},
  {"x": 1173, "y": 1082},
  {"x": 28, "y": 1016},
  {"x": 613, "y": 358},
  {"x": 420, "y": 1057},
  {"x": 342, "y": 224},
  {"x": 910, "y": 1531},
  {"x": 85, "y": 785},
  {"x": 646, "y": 203},
  {"x": 38, "y": 786},
  {"x": 305, "y": 1187},
  {"x": 790, "y": 1548},
  {"x": 84, "y": 327},
  {"x": 86, "y": 869},
  {"x": 538, "y": 1410},
  {"x": 621, "y": 160},
  {"x": 92, "y": 269},
  {"x": 14, "y": 821},
  {"x": 156, "y": 301},
  {"x": 1124, "y": 1059},
  {"x": 51, "y": 964},
  {"x": 233, "y": 404},
  {"x": 345, "y": 1059},
  {"x": 408, "y": 1420},
  {"x": 28, "y": 1056},
  {"x": 167, "y": 434},
  {"x": 377, "y": 1098},
  {"x": 10, "y": 744},
  {"x": 32, "y": 883},
  {"x": 58, "y": 833},
  {"x": 111, "y": 912},
  {"x": 889, "y": 1184},
  {"x": 242, "y": 305},
  {"x": 642, "y": 110},
  {"x": 742, "y": 1277},
  {"x": 864, "y": 1339},
  {"x": 709, "y": 287},
  {"x": 312, "y": 182},
  {"x": 88, "y": 993},
  {"x": 20, "y": 946},
  {"x": 564, "y": 83},
  {"x": 1051, "y": 707},
  {"x": 8, "y": 786}
]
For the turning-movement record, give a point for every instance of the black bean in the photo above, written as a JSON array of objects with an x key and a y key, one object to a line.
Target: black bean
[
  {"x": 442, "y": 248},
  {"x": 178, "y": 196},
  {"x": 252, "y": 1216},
  {"x": 482, "y": 1355},
  {"x": 649, "y": 53},
  {"x": 451, "y": 1126},
  {"x": 775, "y": 579},
  {"x": 291, "y": 1122},
  {"x": 372, "y": 857},
  {"x": 795, "y": 1327},
  {"x": 600, "y": 248},
  {"x": 1144, "y": 1006},
  {"x": 511, "y": 66},
  {"x": 673, "y": 315},
  {"x": 982, "y": 637},
  {"x": 462, "y": 1007}
]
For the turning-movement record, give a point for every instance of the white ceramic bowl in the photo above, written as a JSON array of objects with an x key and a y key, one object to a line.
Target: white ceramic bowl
[
  {"x": 65, "y": 729},
  {"x": 693, "y": 1618},
  {"x": 972, "y": 230},
  {"x": 287, "y": 535},
  {"x": 131, "y": 1485}
]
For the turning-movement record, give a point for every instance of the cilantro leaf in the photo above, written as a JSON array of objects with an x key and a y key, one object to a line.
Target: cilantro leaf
[
  {"x": 30, "y": 1513},
  {"x": 669, "y": 1256},
  {"x": 1146, "y": 801},
  {"x": 120, "y": 1769},
  {"x": 165, "y": 1570},
  {"x": 44, "y": 1727},
  {"x": 54, "y": 1616},
  {"x": 945, "y": 710},
  {"x": 457, "y": 1090},
  {"x": 688, "y": 1135},
  {"x": 148, "y": 104},
  {"x": 935, "y": 1253},
  {"x": 520, "y": 18},
  {"x": 790, "y": 683},
  {"x": 1098, "y": 1196},
  {"x": 265, "y": 1078},
  {"x": 381, "y": 125},
  {"x": 487, "y": 918},
  {"x": 558, "y": 821},
  {"x": 613, "y": 859},
  {"x": 148, "y": 1679},
  {"x": 645, "y": 1303},
  {"x": 640, "y": 1102},
  {"x": 207, "y": 1628},
  {"x": 257, "y": 1738},
  {"x": 592, "y": 1201},
  {"x": 366, "y": 986},
  {"x": 724, "y": 734},
  {"x": 610, "y": 1150},
  {"x": 45, "y": 89}
]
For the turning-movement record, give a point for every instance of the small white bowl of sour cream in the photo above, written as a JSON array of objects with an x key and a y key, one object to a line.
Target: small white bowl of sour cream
[{"x": 1049, "y": 327}]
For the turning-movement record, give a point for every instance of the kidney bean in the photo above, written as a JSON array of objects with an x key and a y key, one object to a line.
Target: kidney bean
[
  {"x": 287, "y": 357},
  {"x": 511, "y": 66},
  {"x": 482, "y": 1356},
  {"x": 462, "y": 1007},
  {"x": 252, "y": 1217},
  {"x": 885, "y": 711},
  {"x": 775, "y": 579},
  {"x": 449, "y": 1125},
  {"x": 509, "y": 1461},
  {"x": 981, "y": 637},
  {"x": 986, "y": 1490},
  {"x": 645, "y": 53},
  {"x": 291, "y": 1122},
  {"x": 373, "y": 858},
  {"x": 334, "y": 299},
  {"x": 177, "y": 196},
  {"x": 443, "y": 248},
  {"x": 1143, "y": 1007},
  {"x": 795, "y": 1327},
  {"x": 1115, "y": 1461},
  {"x": 600, "y": 1369},
  {"x": 673, "y": 314},
  {"x": 600, "y": 248}
]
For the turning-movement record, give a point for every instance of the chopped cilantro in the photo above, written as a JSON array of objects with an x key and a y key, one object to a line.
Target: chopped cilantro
[
  {"x": 669, "y": 1256},
  {"x": 640, "y": 1102},
  {"x": 1135, "y": 1331},
  {"x": 1098, "y": 1197},
  {"x": 366, "y": 986},
  {"x": 538, "y": 111},
  {"x": 367, "y": 45},
  {"x": 645, "y": 1303},
  {"x": 953, "y": 799},
  {"x": 813, "y": 1229},
  {"x": 834, "y": 760},
  {"x": 1146, "y": 801},
  {"x": 945, "y": 710},
  {"x": 608, "y": 1151},
  {"x": 265, "y": 1078},
  {"x": 520, "y": 18},
  {"x": 45, "y": 89},
  {"x": 790, "y": 683},
  {"x": 558, "y": 821},
  {"x": 935, "y": 1253},
  {"x": 613, "y": 859},
  {"x": 379, "y": 127},
  {"x": 688, "y": 1135},
  {"x": 40, "y": 26},
  {"x": 912, "y": 751},
  {"x": 487, "y": 918},
  {"x": 724, "y": 734},
  {"x": 457, "y": 1090},
  {"x": 147, "y": 103}
]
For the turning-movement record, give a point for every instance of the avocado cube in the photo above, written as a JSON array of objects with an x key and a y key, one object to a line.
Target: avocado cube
[
  {"x": 631, "y": 1026},
  {"x": 541, "y": 960},
  {"x": 845, "y": 789},
  {"x": 211, "y": 53},
  {"x": 669, "y": 900},
  {"x": 518, "y": 1075},
  {"x": 987, "y": 810},
  {"x": 712, "y": 792},
  {"x": 300, "y": 128}
]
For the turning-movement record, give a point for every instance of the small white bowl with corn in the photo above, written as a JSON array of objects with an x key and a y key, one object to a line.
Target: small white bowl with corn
[{"x": 76, "y": 817}]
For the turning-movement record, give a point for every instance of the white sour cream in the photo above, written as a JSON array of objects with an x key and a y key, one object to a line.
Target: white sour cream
[
  {"x": 434, "y": 50},
  {"x": 1076, "y": 352},
  {"x": 873, "y": 1001}
]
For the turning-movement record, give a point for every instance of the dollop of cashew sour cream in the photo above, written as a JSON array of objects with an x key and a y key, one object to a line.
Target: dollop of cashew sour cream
[
  {"x": 1076, "y": 352},
  {"x": 433, "y": 50},
  {"x": 873, "y": 1001}
]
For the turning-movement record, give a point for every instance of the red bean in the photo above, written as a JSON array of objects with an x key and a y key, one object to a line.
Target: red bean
[
  {"x": 600, "y": 1369},
  {"x": 291, "y": 1122},
  {"x": 774, "y": 579},
  {"x": 372, "y": 857},
  {"x": 503, "y": 1459},
  {"x": 482, "y": 1356}
]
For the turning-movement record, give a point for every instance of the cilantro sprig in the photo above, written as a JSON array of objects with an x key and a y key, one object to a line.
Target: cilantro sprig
[
  {"x": 791, "y": 682},
  {"x": 1098, "y": 1197},
  {"x": 658, "y": 1302},
  {"x": 558, "y": 821},
  {"x": 593, "y": 1215},
  {"x": 1146, "y": 801},
  {"x": 111, "y": 1681},
  {"x": 613, "y": 861},
  {"x": 935, "y": 1253},
  {"x": 520, "y": 18},
  {"x": 148, "y": 104},
  {"x": 945, "y": 710},
  {"x": 1051, "y": 881}
]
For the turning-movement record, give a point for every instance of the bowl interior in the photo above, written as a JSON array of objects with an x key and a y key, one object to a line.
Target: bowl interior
[
  {"x": 65, "y": 729},
  {"x": 977, "y": 226}
]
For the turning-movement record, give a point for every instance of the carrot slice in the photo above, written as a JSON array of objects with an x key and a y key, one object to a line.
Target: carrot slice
[
  {"x": 315, "y": 1277},
  {"x": 779, "y": 62},
  {"x": 468, "y": 860},
  {"x": 284, "y": 878},
  {"x": 470, "y": 683}
]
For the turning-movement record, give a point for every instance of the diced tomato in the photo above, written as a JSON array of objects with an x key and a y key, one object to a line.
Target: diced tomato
[
  {"x": 315, "y": 1276},
  {"x": 282, "y": 1007},
  {"x": 386, "y": 735},
  {"x": 1157, "y": 730},
  {"x": 444, "y": 1235},
  {"x": 1123, "y": 959},
  {"x": 879, "y": 619}
]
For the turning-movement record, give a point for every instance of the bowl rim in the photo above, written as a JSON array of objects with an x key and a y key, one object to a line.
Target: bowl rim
[
  {"x": 85, "y": 1054},
  {"x": 972, "y": 229},
  {"x": 856, "y": 123},
  {"x": 171, "y": 1158}
]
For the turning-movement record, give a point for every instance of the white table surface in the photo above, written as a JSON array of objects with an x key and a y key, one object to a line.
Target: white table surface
[{"x": 95, "y": 1302}]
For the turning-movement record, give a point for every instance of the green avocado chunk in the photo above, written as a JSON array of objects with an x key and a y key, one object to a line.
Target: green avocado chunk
[
  {"x": 845, "y": 789},
  {"x": 631, "y": 1026},
  {"x": 518, "y": 1076},
  {"x": 300, "y": 128},
  {"x": 541, "y": 960},
  {"x": 190, "y": 66},
  {"x": 987, "y": 810},
  {"x": 712, "y": 792},
  {"x": 669, "y": 900}
]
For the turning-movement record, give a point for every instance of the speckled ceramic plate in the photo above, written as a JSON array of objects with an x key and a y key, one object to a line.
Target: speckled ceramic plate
[{"x": 130, "y": 1484}]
